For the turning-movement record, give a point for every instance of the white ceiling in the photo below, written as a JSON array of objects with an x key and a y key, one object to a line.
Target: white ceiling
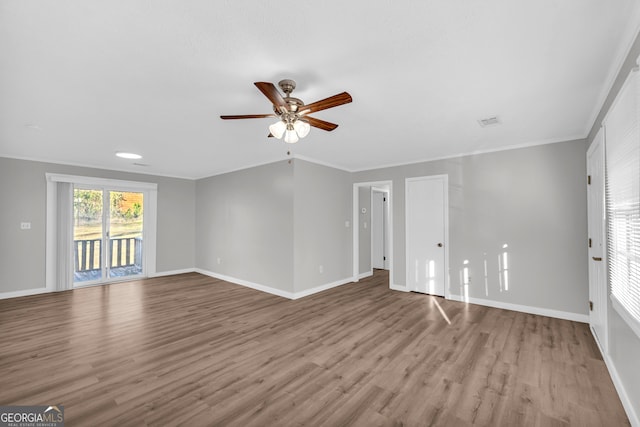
[{"x": 80, "y": 80}]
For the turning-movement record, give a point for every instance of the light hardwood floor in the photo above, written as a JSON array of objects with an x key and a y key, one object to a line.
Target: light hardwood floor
[{"x": 193, "y": 350}]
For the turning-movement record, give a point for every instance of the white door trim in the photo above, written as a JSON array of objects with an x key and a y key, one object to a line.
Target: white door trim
[
  {"x": 445, "y": 180},
  {"x": 356, "y": 228}
]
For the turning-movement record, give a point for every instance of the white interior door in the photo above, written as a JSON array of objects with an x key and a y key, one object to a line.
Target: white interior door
[
  {"x": 377, "y": 230},
  {"x": 596, "y": 242},
  {"x": 426, "y": 219}
]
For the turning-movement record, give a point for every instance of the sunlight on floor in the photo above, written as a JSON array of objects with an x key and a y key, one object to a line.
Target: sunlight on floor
[{"x": 444, "y": 315}]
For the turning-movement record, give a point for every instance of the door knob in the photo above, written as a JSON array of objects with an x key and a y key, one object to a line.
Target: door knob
[{"x": 439, "y": 245}]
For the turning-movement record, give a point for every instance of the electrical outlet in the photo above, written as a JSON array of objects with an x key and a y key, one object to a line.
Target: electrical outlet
[
  {"x": 321, "y": 269},
  {"x": 219, "y": 261},
  {"x": 25, "y": 226}
]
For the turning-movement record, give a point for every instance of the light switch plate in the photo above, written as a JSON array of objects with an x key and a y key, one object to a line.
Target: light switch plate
[{"x": 25, "y": 226}]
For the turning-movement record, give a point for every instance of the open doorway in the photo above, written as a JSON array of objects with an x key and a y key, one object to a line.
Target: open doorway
[
  {"x": 372, "y": 229},
  {"x": 379, "y": 228}
]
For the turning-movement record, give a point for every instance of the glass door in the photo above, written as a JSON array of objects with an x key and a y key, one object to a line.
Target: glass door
[
  {"x": 88, "y": 235},
  {"x": 107, "y": 235},
  {"x": 125, "y": 233}
]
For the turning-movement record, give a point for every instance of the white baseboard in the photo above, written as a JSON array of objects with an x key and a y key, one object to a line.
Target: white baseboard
[
  {"x": 324, "y": 287},
  {"x": 583, "y": 318},
  {"x": 275, "y": 291},
  {"x": 173, "y": 272},
  {"x": 398, "y": 288},
  {"x": 248, "y": 284},
  {"x": 36, "y": 291},
  {"x": 365, "y": 274},
  {"x": 622, "y": 393},
  {"x": 617, "y": 383},
  {"x": 26, "y": 292}
]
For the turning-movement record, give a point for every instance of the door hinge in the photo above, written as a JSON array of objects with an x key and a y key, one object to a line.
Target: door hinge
[
  {"x": 588, "y": 179},
  {"x": 384, "y": 258},
  {"x": 589, "y": 241},
  {"x": 384, "y": 199},
  {"x": 590, "y": 305}
]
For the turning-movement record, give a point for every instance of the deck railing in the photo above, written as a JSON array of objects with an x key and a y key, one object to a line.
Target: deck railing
[{"x": 124, "y": 252}]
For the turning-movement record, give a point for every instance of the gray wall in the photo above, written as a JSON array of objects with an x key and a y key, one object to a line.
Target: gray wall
[
  {"x": 364, "y": 234},
  {"x": 245, "y": 218},
  {"x": 532, "y": 199},
  {"x": 276, "y": 224},
  {"x": 624, "y": 344},
  {"x": 322, "y": 204},
  {"x": 23, "y": 195}
]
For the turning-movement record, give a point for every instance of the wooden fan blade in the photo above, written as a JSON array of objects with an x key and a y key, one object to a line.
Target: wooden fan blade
[
  {"x": 247, "y": 116},
  {"x": 270, "y": 91},
  {"x": 321, "y": 124},
  {"x": 323, "y": 104}
]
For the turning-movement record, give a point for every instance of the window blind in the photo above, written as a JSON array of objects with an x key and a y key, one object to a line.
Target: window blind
[{"x": 622, "y": 147}]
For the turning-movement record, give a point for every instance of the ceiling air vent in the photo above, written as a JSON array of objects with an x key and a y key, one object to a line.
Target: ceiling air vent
[{"x": 489, "y": 121}]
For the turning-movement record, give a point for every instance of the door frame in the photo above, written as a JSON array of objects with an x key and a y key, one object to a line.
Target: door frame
[
  {"x": 150, "y": 191},
  {"x": 599, "y": 144},
  {"x": 356, "y": 227},
  {"x": 444, "y": 178}
]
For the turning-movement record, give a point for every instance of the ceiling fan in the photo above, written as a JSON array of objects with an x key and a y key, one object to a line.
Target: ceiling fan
[{"x": 294, "y": 120}]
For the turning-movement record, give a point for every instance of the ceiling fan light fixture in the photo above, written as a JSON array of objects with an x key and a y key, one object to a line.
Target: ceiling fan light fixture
[
  {"x": 302, "y": 128},
  {"x": 277, "y": 129},
  {"x": 291, "y": 137}
]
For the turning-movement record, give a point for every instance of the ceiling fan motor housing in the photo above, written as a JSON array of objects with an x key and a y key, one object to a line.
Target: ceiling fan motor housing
[
  {"x": 293, "y": 104},
  {"x": 287, "y": 86}
]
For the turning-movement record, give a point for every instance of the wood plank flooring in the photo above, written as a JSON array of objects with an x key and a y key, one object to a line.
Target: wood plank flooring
[{"x": 193, "y": 350}]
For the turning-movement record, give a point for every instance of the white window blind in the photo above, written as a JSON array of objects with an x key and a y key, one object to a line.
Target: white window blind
[{"x": 622, "y": 129}]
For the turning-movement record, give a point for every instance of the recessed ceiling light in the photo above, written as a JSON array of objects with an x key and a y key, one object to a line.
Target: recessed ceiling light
[{"x": 131, "y": 156}]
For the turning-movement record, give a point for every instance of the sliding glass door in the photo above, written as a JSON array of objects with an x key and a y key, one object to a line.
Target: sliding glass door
[{"x": 107, "y": 235}]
